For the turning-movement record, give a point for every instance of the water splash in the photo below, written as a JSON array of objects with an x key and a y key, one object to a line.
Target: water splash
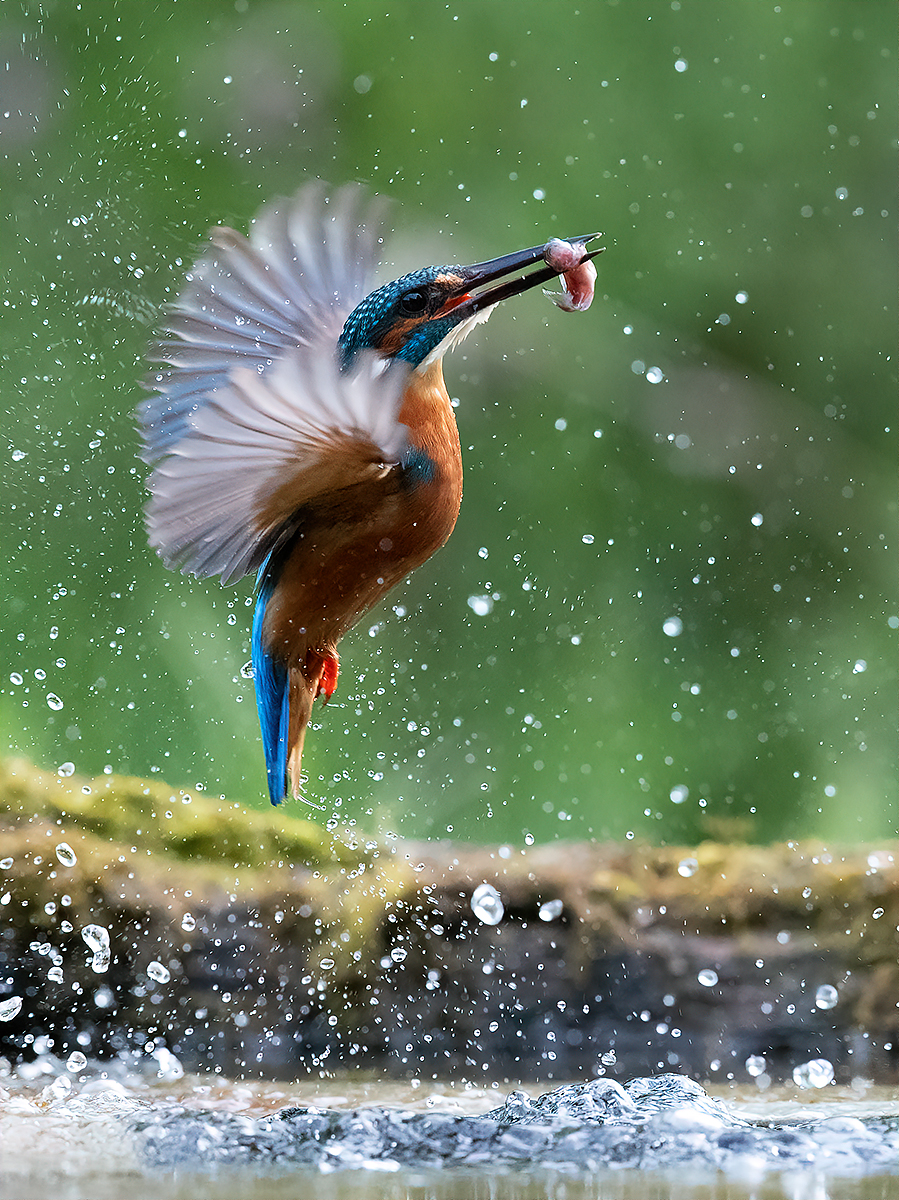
[
  {"x": 486, "y": 904},
  {"x": 10, "y": 1007},
  {"x": 96, "y": 938},
  {"x": 158, "y": 973},
  {"x": 66, "y": 854}
]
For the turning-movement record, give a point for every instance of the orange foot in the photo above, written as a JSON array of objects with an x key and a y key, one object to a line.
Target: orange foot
[{"x": 322, "y": 669}]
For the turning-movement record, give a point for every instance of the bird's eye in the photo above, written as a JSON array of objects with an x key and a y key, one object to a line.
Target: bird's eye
[{"x": 414, "y": 303}]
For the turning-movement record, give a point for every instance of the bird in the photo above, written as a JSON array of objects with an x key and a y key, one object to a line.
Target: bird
[{"x": 299, "y": 427}]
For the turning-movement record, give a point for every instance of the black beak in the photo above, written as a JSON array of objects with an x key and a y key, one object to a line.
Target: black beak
[{"x": 485, "y": 272}]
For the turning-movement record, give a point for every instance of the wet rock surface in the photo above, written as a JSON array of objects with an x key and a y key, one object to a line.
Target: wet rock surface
[{"x": 281, "y": 949}]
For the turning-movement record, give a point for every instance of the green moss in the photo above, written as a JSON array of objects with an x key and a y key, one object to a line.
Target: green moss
[{"x": 158, "y": 818}]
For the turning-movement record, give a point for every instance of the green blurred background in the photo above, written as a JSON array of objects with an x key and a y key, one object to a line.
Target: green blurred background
[{"x": 669, "y": 604}]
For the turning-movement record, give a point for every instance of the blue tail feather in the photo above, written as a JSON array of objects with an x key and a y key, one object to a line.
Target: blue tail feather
[{"x": 272, "y": 700}]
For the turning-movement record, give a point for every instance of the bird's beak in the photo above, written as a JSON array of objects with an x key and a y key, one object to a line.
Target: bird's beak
[{"x": 465, "y": 301}]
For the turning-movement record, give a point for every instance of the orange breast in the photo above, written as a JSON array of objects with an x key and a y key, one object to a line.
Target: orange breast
[{"x": 356, "y": 544}]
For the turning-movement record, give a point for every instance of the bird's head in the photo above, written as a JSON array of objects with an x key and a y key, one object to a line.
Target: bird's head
[{"x": 420, "y": 316}]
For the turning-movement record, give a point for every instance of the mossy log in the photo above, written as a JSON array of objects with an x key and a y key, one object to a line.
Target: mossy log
[{"x": 257, "y": 942}]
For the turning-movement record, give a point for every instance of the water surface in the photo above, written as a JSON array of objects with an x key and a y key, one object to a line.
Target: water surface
[{"x": 90, "y": 1137}]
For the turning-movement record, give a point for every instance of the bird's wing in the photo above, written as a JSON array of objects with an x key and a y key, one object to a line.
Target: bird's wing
[
  {"x": 251, "y": 417},
  {"x": 248, "y": 300},
  {"x": 264, "y": 446}
]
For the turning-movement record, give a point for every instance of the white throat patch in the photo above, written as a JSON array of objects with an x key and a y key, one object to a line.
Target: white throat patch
[{"x": 457, "y": 334}]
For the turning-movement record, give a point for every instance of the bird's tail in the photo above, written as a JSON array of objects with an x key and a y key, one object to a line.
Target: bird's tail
[{"x": 285, "y": 693}]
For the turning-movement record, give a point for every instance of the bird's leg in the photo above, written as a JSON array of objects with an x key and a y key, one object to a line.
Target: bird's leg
[
  {"x": 320, "y": 669},
  {"x": 327, "y": 680}
]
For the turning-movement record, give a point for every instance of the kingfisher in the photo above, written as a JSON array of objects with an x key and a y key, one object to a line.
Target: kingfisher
[{"x": 299, "y": 427}]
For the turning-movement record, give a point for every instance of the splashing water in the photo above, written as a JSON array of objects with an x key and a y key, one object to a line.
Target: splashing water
[
  {"x": 66, "y": 854},
  {"x": 815, "y": 1074},
  {"x": 158, "y": 973},
  {"x": 96, "y": 938},
  {"x": 10, "y": 1007},
  {"x": 550, "y": 910},
  {"x": 486, "y": 904}
]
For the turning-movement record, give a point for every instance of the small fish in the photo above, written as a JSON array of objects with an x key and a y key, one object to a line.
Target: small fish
[{"x": 577, "y": 276}]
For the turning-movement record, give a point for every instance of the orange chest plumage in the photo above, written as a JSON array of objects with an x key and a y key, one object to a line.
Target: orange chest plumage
[{"x": 353, "y": 545}]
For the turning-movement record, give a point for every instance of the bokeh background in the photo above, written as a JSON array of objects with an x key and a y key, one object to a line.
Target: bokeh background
[{"x": 669, "y": 606}]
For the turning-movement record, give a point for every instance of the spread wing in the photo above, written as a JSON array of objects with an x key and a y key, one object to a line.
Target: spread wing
[
  {"x": 251, "y": 417},
  {"x": 261, "y": 447}
]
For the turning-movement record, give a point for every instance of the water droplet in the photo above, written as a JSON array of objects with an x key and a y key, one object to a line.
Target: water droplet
[
  {"x": 826, "y": 996},
  {"x": 879, "y": 860},
  {"x": 57, "y": 1090},
  {"x": 486, "y": 904},
  {"x": 859, "y": 666},
  {"x": 815, "y": 1074},
  {"x": 707, "y": 977},
  {"x": 679, "y": 793},
  {"x": 247, "y": 671},
  {"x": 18, "y": 455},
  {"x": 398, "y": 954},
  {"x": 158, "y": 972},
  {"x": 755, "y": 1065},
  {"x": 96, "y": 938},
  {"x": 6, "y": 863},
  {"x": 66, "y": 854},
  {"x": 16, "y": 678},
  {"x": 673, "y": 626},
  {"x": 757, "y": 519},
  {"x": 327, "y": 964},
  {"x": 687, "y": 867},
  {"x": 54, "y": 702},
  {"x": 76, "y": 1062},
  {"x": 680, "y": 65},
  {"x": 10, "y": 1007},
  {"x": 588, "y": 539},
  {"x": 55, "y": 975},
  {"x": 655, "y": 375},
  {"x": 550, "y": 910},
  {"x": 188, "y": 922},
  {"x": 65, "y": 769},
  {"x": 169, "y": 1066},
  {"x": 481, "y": 606}
]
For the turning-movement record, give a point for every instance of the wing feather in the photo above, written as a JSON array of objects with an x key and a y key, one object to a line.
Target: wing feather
[
  {"x": 265, "y": 447},
  {"x": 305, "y": 265},
  {"x": 251, "y": 416}
]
